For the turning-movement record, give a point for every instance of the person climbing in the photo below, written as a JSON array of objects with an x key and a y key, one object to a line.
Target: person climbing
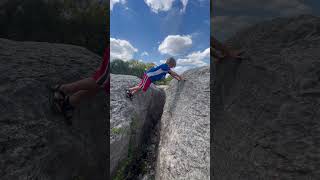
[
  {"x": 224, "y": 51},
  {"x": 65, "y": 97},
  {"x": 154, "y": 74}
]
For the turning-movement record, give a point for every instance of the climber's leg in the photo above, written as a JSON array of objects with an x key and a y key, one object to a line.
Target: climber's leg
[
  {"x": 84, "y": 84},
  {"x": 134, "y": 89},
  {"x": 77, "y": 97}
]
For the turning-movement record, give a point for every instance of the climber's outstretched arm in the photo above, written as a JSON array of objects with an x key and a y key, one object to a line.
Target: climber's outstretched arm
[
  {"x": 224, "y": 49},
  {"x": 175, "y": 75},
  {"x": 219, "y": 46},
  {"x": 214, "y": 53}
]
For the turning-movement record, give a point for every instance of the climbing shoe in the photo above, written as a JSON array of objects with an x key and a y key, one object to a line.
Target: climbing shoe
[{"x": 129, "y": 94}]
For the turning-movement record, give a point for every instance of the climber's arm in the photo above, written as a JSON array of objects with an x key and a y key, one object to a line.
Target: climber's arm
[
  {"x": 219, "y": 46},
  {"x": 215, "y": 54},
  {"x": 224, "y": 49},
  {"x": 175, "y": 75}
]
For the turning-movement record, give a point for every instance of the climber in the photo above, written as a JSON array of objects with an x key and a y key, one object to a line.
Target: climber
[
  {"x": 225, "y": 51},
  {"x": 154, "y": 74},
  {"x": 65, "y": 97}
]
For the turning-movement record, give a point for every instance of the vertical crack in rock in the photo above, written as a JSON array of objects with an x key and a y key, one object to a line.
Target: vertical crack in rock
[
  {"x": 165, "y": 132},
  {"x": 133, "y": 128}
]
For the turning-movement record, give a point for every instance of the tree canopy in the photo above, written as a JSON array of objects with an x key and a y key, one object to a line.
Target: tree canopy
[{"x": 69, "y": 22}]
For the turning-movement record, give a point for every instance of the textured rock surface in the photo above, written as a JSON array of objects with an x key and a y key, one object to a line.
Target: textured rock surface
[
  {"x": 34, "y": 142},
  {"x": 266, "y": 123},
  {"x": 131, "y": 121},
  {"x": 185, "y": 129}
]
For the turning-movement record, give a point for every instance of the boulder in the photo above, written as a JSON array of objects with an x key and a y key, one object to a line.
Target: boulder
[
  {"x": 184, "y": 148},
  {"x": 267, "y": 106},
  {"x": 131, "y": 121},
  {"x": 35, "y": 143}
]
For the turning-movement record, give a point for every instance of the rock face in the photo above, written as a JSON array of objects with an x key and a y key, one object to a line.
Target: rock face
[
  {"x": 267, "y": 107},
  {"x": 131, "y": 121},
  {"x": 35, "y": 143},
  {"x": 184, "y": 149}
]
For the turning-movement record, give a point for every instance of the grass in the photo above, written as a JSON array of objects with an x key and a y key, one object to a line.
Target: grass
[
  {"x": 117, "y": 130},
  {"x": 126, "y": 165},
  {"x": 122, "y": 172}
]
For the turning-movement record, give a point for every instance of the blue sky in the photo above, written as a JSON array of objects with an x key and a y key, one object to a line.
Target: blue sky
[{"x": 153, "y": 30}]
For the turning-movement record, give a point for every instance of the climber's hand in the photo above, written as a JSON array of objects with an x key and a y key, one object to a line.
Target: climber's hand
[
  {"x": 218, "y": 60},
  {"x": 235, "y": 54}
]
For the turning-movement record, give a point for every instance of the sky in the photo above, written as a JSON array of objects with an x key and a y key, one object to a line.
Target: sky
[
  {"x": 230, "y": 16},
  {"x": 153, "y": 30}
]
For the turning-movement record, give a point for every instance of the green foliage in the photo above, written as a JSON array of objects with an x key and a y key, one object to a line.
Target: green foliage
[
  {"x": 134, "y": 123},
  {"x": 116, "y": 130},
  {"x": 129, "y": 166},
  {"x": 123, "y": 171},
  {"x": 165, "y": 81},
  {"x": 134, "y": 68},
  {"x": 84, "y": 24}
]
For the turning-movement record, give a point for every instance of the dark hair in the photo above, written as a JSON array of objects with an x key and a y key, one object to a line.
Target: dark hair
[{"x": 172, "y": 61}]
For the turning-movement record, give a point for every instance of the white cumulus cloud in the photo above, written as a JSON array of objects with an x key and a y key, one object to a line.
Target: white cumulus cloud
[
  {"x": 164, "y": 5},
  {"x": 175, "y": 44},
  {"x": 121, "y": 49},
  {"x": 184, "y": 3},
  {"x": 162, "y": 61},
  {"x": 159, "y": 5},
  {"x": 144, "y": 53},
  {"x": 192, "y": 60},
  {"x": 181, "y": 69},
  {"x": 195, "y": 58},
  {"x": 113, "y": 2}
]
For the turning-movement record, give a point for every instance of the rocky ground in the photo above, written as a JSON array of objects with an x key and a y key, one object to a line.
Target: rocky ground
[
  {"x": 172, "y": 140},
  {"x": 35, "y": 143},
  {"x": 267, "y": 106},
  {"x": 184, "y": 148},
  {"x": 132, "y": 125}
]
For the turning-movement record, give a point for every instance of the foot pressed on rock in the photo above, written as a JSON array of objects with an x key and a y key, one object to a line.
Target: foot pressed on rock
[
  {"x": 60, "y": 103},
  {"x": 129, "y": 94},
  {"x": 56, "y": 98},
  {"x": 67, "y": 110}
]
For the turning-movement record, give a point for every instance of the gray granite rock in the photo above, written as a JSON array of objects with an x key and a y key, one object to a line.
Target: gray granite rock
[
  {"x": 131, "y": 121},
  {"x": 184, "y": 149},
  {"x": 267, "y": 107},
  {"x": 35, "y": 143}
]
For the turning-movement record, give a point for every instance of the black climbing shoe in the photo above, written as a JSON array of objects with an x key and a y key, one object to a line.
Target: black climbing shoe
[
  {"x": 129, "y": 94},
  {"x": 67, "y": 111},
  {"x": 56, "y": 98}
]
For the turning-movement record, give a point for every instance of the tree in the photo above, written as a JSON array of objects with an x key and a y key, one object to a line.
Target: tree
[{"x": 82, "y": 23}]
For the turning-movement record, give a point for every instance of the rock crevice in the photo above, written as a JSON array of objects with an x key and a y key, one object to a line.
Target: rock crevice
[
  {"x": 172, "y": 133},
  {"x": 132, "y": 123}
]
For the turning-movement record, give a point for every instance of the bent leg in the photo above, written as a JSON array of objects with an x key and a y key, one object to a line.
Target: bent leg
[
  {"x": 83, "y": 84},
  {"x": 135, "y": 90},
  {"x": 77, "y": 97}
]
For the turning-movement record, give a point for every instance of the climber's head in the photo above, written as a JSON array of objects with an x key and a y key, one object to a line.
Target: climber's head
[{"x": 171, "y": 62}]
